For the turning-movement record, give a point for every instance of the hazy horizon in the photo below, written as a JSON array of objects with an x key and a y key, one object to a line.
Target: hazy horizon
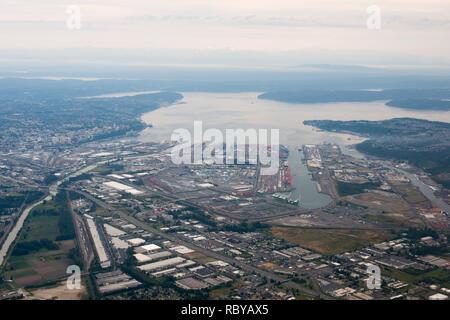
[{"x": 264, "y": 33}]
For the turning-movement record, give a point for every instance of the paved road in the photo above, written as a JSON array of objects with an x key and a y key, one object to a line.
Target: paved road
[
  {"x": 53, "y": 189},
  {"x": 230, "y": 260},
  {"x": 12, "y": 235}
]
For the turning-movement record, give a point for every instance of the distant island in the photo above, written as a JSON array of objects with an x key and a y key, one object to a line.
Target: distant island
[
  {"x": 423, "y": 143},
  {"x": 417, "y": 99},
  {"x": 421, "y": 104},
  {"x": 321, "y": 96}
]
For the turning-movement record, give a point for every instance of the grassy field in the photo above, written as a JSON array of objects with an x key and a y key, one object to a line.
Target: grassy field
[
  {"x": 106, "y": 169},
  {"x": 102, "y": 212},
  {"x": 220, "y": 293},
  {"x": 40, "y": 267},
  {"x": 330, "y": 241},
  {"x": 410, "y": 193},
  {"x": 200, "y": 257},
  {"x": 40, "y": 227},
  {"x": 382, "y": 201},
  {"x": 440, "y": 276},
  {"x": 40, "y": 264},
  {"x": 392, "y": 208}
]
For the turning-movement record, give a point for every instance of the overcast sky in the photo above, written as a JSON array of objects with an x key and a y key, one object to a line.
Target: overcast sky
[{"x": 419, "y": 30}]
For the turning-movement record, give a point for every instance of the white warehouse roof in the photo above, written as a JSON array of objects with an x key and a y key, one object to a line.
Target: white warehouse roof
[
  {"x": 161, "y": 264},
  {"x": 150, "y": 247}
]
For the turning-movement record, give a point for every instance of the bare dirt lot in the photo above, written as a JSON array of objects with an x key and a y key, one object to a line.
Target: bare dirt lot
[
  {"x": 199, "y": 257},
  {"x": 387, "y": 207},
  {"x": 330, "y": 241},
  {"x": 58, "y": 292},
  {"x": 383, "y": 201},
  {"x": 39, "y": 267}
]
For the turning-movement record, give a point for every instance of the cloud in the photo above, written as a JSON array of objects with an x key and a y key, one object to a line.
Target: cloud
[{"x": 257, "y": 25}]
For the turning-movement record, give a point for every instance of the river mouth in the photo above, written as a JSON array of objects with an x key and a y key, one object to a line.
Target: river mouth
[{"x": 244, "y": 110}]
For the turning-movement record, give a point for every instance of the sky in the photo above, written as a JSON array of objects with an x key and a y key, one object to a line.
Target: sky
[{"x": 329, "y": 31}]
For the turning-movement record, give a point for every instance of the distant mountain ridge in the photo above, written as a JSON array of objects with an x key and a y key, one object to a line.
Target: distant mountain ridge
[
  {"x": 421, "y": 104},
  {"x": 420, "y": 99}
]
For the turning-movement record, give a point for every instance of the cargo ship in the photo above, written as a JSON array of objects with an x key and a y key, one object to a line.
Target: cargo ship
[{"x": 285, "y": 198}]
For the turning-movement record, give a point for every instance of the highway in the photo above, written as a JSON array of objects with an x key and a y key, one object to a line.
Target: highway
[
  {"x": 230, "y": 260},
  {"x": 53, "y": 189},
  {"x": 12, "y": 235}
]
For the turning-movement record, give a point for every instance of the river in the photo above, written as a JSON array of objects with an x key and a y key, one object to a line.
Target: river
[
  {"x": 426, "y": 190},
  {"x": 53, "y": 189}
]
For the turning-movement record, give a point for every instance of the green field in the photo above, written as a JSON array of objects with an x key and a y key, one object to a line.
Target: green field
[
  {"x": 347, "y": 188},
  {"x": 40, "y": 227},
  {"x": 437, "y": 275},
  {"x": 220, "y": 293},
  {"x": 40, "y": 267},
  {"x": 42, "y": 252}
]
